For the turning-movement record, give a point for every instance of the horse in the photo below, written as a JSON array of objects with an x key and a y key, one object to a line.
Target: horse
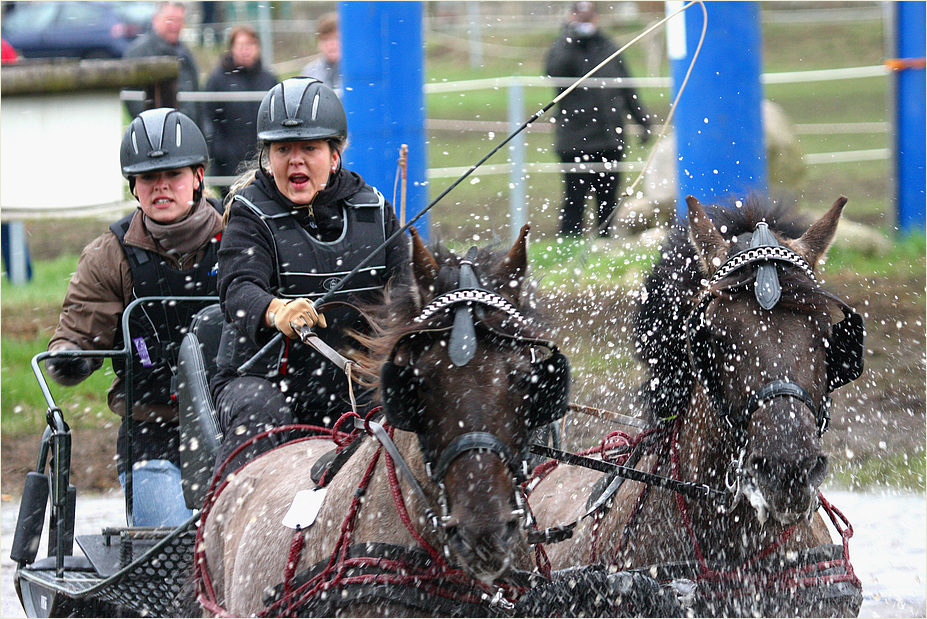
[
  {"x": 740, "y": 354},
  {"x": 466, "y": 372}
]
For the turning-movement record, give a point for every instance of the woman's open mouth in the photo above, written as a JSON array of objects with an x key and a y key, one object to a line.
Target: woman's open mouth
[{"x": 299, "y": 180}]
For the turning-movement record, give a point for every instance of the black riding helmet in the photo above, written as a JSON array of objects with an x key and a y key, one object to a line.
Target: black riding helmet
[
  {"x": 161, "y": 139},
  {"x": 301, "y": 108}
]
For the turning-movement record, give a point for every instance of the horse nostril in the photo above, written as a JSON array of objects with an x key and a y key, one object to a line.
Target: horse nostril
[{"x": 817, "y": 470}]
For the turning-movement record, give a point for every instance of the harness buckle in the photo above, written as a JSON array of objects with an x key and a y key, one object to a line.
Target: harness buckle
[{"x": 498, "y": 600}]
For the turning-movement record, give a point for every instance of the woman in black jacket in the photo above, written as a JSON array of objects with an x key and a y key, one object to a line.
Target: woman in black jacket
[
  {"x": 296, "y": 225},
  {"x": 229, "y": 125}
]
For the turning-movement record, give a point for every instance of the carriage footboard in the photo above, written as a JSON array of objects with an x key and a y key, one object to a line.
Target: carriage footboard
[{"x": 143, "y": 577}]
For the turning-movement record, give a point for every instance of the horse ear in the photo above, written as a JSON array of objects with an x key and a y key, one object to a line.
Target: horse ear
[
  {"x": 814, "y": 243},
  {"x": 512, "y": 269},
  {"x": 424, "y": 265},
  {"x": 708, "y": 242}
]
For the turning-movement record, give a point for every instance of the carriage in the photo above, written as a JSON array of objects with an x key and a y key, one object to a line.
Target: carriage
[
  {"x": 435, "y": 565},
  {"x": 124, "y": 570}
]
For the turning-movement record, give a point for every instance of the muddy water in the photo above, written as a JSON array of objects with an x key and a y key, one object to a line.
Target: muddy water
[{"x": 888, "y": 548}]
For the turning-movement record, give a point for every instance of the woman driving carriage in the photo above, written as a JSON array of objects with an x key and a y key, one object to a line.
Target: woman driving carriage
[
  {"x": 296, "y": 223},
  {"x": 167, "y": 247}
]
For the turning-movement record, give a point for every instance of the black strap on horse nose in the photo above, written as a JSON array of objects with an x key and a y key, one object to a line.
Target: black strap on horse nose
[
  {"x": 462, "y": 344},
  {"x": 789, "y": 389},
  {"x": 475, "y": 441}
]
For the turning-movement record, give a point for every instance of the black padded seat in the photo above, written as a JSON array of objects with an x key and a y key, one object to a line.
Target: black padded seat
[{"x": 199, "y": 426}]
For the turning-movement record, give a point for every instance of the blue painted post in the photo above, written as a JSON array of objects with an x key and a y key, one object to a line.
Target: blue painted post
[
  {"x": 719, "y": 121},
  {"x": 383, "y": 73},
  {"x": 909, "y": 116}
]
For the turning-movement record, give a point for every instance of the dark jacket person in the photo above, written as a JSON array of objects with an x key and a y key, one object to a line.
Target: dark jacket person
[
  {"x": 296, "y": 225},
  {"x": 230, "y": 125},
  {"x": 591, "y": 119},
  {"x": 164, "y": 40}
]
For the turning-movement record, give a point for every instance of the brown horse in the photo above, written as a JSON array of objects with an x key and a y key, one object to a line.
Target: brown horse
[
  {"x": 466, "y": 374},
  {"x": 742, "y": 353}
]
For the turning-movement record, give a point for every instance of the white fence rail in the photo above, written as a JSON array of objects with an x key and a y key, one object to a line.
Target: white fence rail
[{"x": 517, "y": 167}]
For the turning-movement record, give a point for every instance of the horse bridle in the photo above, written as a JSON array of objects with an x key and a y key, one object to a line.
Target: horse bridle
[
  {"x": 844, "y": 353},
  {"x": 468, "y": 303}
]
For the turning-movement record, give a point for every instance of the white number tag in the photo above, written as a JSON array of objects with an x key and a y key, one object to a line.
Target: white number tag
[{"x": 305, "y": 508}]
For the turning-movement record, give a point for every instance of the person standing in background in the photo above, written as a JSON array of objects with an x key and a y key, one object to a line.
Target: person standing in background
[
  {"x": 590, "y": 120},
  {"x": 164, "y": 40},
  {"x": 327, "y": 67},
  {"x": 230, "y": 125}
]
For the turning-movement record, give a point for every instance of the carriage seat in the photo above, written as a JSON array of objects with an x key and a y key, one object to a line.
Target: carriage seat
[{"x": 200, "y": 436}]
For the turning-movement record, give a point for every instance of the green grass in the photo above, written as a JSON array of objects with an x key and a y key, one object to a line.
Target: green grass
[
  {"x": 882, "y": 470},
  {"x": 33, "y": 312},
  {"x": 906, "y": 257}
]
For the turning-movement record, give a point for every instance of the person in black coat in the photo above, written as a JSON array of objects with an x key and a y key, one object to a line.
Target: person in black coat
[
  {"x": 297, "y": 223},
  {"x": 590, "y": 120},
  {"x": 229, "y": 125}
]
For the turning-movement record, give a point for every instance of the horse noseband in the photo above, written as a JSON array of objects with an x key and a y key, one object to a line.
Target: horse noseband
[
  {"x": 476, "y": 441},
  {"x": 789, "y": 389}
]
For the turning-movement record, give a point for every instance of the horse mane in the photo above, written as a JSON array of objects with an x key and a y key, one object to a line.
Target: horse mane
[
  {"x": 671, "y": 290},
  {"x": 393, "y": 318}
]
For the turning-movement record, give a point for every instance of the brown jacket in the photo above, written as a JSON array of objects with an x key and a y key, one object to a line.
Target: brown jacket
[{"x": 100, "y": 289}]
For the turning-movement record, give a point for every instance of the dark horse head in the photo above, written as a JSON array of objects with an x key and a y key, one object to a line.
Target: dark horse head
[
  {"x": 467, "y": 367},
  {"x": 734, "y": 327}
]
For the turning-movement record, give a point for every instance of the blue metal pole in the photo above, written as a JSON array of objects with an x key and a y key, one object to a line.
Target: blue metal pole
[
  {"x": 719, "y": 121},
  {"x": 382, "y": 68},
  {"x": 909, "y": 116}
]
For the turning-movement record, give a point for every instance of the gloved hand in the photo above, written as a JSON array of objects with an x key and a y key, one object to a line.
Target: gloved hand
[
  {"x": 68, "y": 371},
  {"x": 294, "y": 314}
]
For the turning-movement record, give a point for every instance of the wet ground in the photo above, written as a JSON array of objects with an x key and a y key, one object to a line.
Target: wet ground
[{"x": 888, "y": 548}]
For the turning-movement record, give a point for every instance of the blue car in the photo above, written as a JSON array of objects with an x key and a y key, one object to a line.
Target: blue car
[{"x": 75, "y": 29}]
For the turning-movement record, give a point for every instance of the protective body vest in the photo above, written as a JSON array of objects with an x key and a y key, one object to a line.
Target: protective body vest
[
  {"x": 156, "y": 328},
  {"x": 306, "y": 266}
]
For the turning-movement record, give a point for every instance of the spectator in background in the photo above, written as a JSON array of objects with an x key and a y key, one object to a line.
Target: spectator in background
[
  {"x": 327, "y": 67},
  {"x": 230, "y": 125},
  {"x": 164, "y": 40},
  {"x": 590, "y": 120}
]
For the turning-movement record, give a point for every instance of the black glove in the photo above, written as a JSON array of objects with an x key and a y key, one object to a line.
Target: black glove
[{"x": 68, "y": 371}]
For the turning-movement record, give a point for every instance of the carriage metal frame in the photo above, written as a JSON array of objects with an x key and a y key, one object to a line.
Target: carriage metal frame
[{"x": 123, "y": 571}]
